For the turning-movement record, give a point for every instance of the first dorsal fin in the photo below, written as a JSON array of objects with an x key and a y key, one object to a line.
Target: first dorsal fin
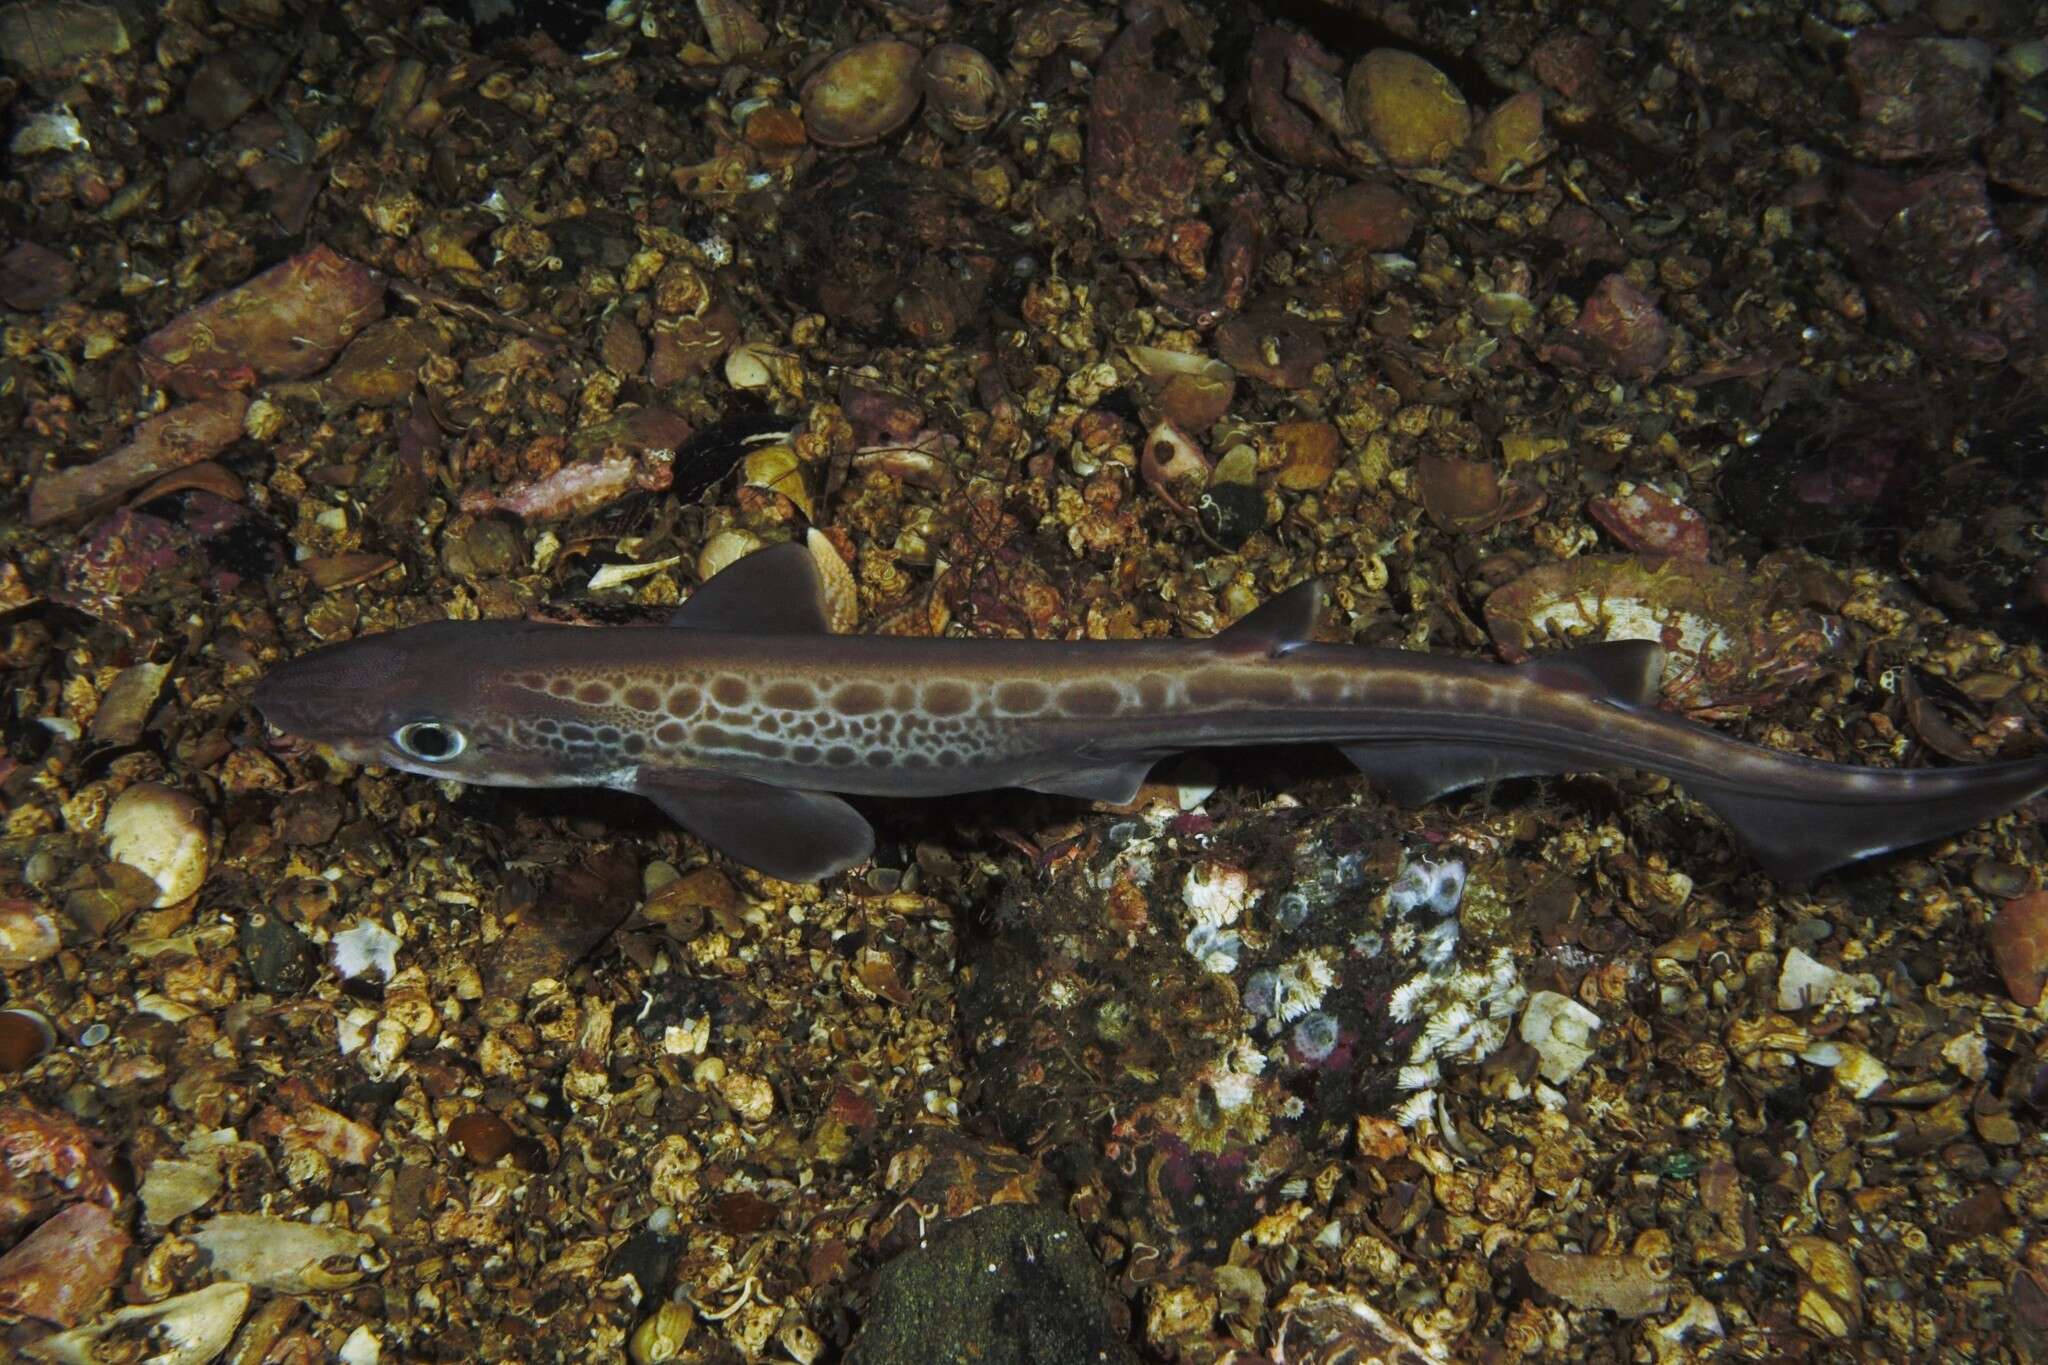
[
  {"x": 775, "y": 591},
  {"x": 1278, "y": 625},
  {"x": 1626, "y": 671}
]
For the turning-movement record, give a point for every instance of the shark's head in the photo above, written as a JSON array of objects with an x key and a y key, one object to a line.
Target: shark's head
[{"x": 428, "y": 700}]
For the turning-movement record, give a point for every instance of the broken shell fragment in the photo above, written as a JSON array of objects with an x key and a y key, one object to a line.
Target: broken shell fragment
[
  {"x": 28, "y": 935},
  {"x": 1309, "y": 452},
  {"x": 1193, "y": 391},
  {"x": 723, "y": 550},
  {"x": 1170, "y": 460},
  {"x": 1273, "y": 345},
  {"x": 753, "y": 366},
  {"x": 186, "y": 1329},
  {"x": 963, "y": 86},
  {"x": 161, "y": 832},
  {"x": 778, "y": 468},
  {"x": 1412, "y": 111},
  {"x": 1561, "y": 1030},
  {"x": 862, "y": 93}
]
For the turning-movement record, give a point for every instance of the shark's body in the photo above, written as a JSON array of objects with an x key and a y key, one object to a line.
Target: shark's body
[{"x": 745, "y": 716}]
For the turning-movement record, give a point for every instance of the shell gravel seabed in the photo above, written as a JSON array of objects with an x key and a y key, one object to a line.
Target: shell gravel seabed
[{"x": 1515, "y": 324}]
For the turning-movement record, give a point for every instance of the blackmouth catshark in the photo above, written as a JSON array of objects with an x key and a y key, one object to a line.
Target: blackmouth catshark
[{"x": 744, "y": 718}]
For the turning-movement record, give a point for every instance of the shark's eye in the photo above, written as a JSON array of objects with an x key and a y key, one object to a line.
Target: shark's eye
[{"x": 429, "y": 741}]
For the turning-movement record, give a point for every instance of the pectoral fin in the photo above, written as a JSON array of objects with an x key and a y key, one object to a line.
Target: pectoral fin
[{"x": 798, "y": 836}]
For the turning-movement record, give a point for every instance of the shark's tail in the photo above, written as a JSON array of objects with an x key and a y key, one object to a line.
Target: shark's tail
[{"x": 1797, "y": 838}]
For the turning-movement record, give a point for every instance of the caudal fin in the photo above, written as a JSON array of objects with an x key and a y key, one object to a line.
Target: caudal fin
[{"x": 1796, "y": 838}]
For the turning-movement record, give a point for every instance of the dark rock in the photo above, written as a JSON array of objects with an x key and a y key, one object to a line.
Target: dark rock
[
  {"x": 1015, "y": 1284},
  {"x": 280, "y": 959}
]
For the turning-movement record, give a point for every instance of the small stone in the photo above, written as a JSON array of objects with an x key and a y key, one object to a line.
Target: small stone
[
  {"x": 482, "y": 1137},
  {"x": 1623, "y": 329},
  {"x": 59, "y": 1272},
  {"x": 2019, "y": 945},
  {"x": 279, "y": 957},
  {"x": 1623, "y": 1285},
  {"x": 1649, "y": 522},
  {"x": 1806, "y": 983},
  {"x": 309, "y": 818},
  {"x": 862, "y": 93},
  {"x": 1411, "y": 109},
  {"x": 482, "y": 549},
  {"x": 1509, "y": 143},
  {"x": 1369, "y": 217},
  {"x": 1231, "y": 512},
  {"x": 1309, "y": 452}
]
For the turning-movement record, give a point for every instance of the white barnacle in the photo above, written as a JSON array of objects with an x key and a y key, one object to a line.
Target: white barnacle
[
  {"x": 1216, "y": 949},
  {"x": 1232, "y": 1090},
  {"x": 1446, "y": 886},
  {"x": 1439, "y": 886},
  {"x": 1418, "y": 1076},
  {"x": 1407, "y": 998},
  {"x": 1417, "y": 1109},
  {"x": 1440, "y": 944},
  {"x": 1446, "y": 1028},
  {"x": 1246, "y": 1056},
  {"x": 1217, "y": 894},
  {"x": 1299, "y": 987}
]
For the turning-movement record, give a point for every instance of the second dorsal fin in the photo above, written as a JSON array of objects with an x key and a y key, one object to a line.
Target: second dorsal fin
[
  {"x": 1278, "y": 624},
  {"x": 1626, "y": 671},
  {"x": 771, "y": 592}
]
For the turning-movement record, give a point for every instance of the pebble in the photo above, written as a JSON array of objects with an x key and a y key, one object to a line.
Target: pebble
[{"x": 1410, "y": 109}]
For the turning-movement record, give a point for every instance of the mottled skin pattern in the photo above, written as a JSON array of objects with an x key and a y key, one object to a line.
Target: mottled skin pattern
[
  {"x": 621, "y": 707},
  {"x": 744, "y": 717}
]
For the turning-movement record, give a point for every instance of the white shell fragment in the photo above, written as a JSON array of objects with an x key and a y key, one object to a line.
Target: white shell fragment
[
  {"x": 175, "y": 1187},
  {"x": 368, "y": 947},
  {"x": 618, "y": 575},
  {"x": 278, "y": 1254},
  {"x": 161, "y": 832},
  {"x": 1856, "y": 1070},
  {"x": 1561, "y": 1031},
  {"x": 1804, "y": 982},
  {"x": 188, "y": 1329}
]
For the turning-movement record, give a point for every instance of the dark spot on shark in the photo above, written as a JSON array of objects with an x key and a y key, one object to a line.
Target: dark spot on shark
[
  {"x": 858, "y": 699},
  {"x": 789, "y": 695}
]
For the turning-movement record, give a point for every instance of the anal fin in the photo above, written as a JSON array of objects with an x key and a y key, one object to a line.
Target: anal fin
[
  {"x": 1416, "y": 772},
  {"x": 1115, "y": 781},
  {"x": 798, "y": 836}
]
